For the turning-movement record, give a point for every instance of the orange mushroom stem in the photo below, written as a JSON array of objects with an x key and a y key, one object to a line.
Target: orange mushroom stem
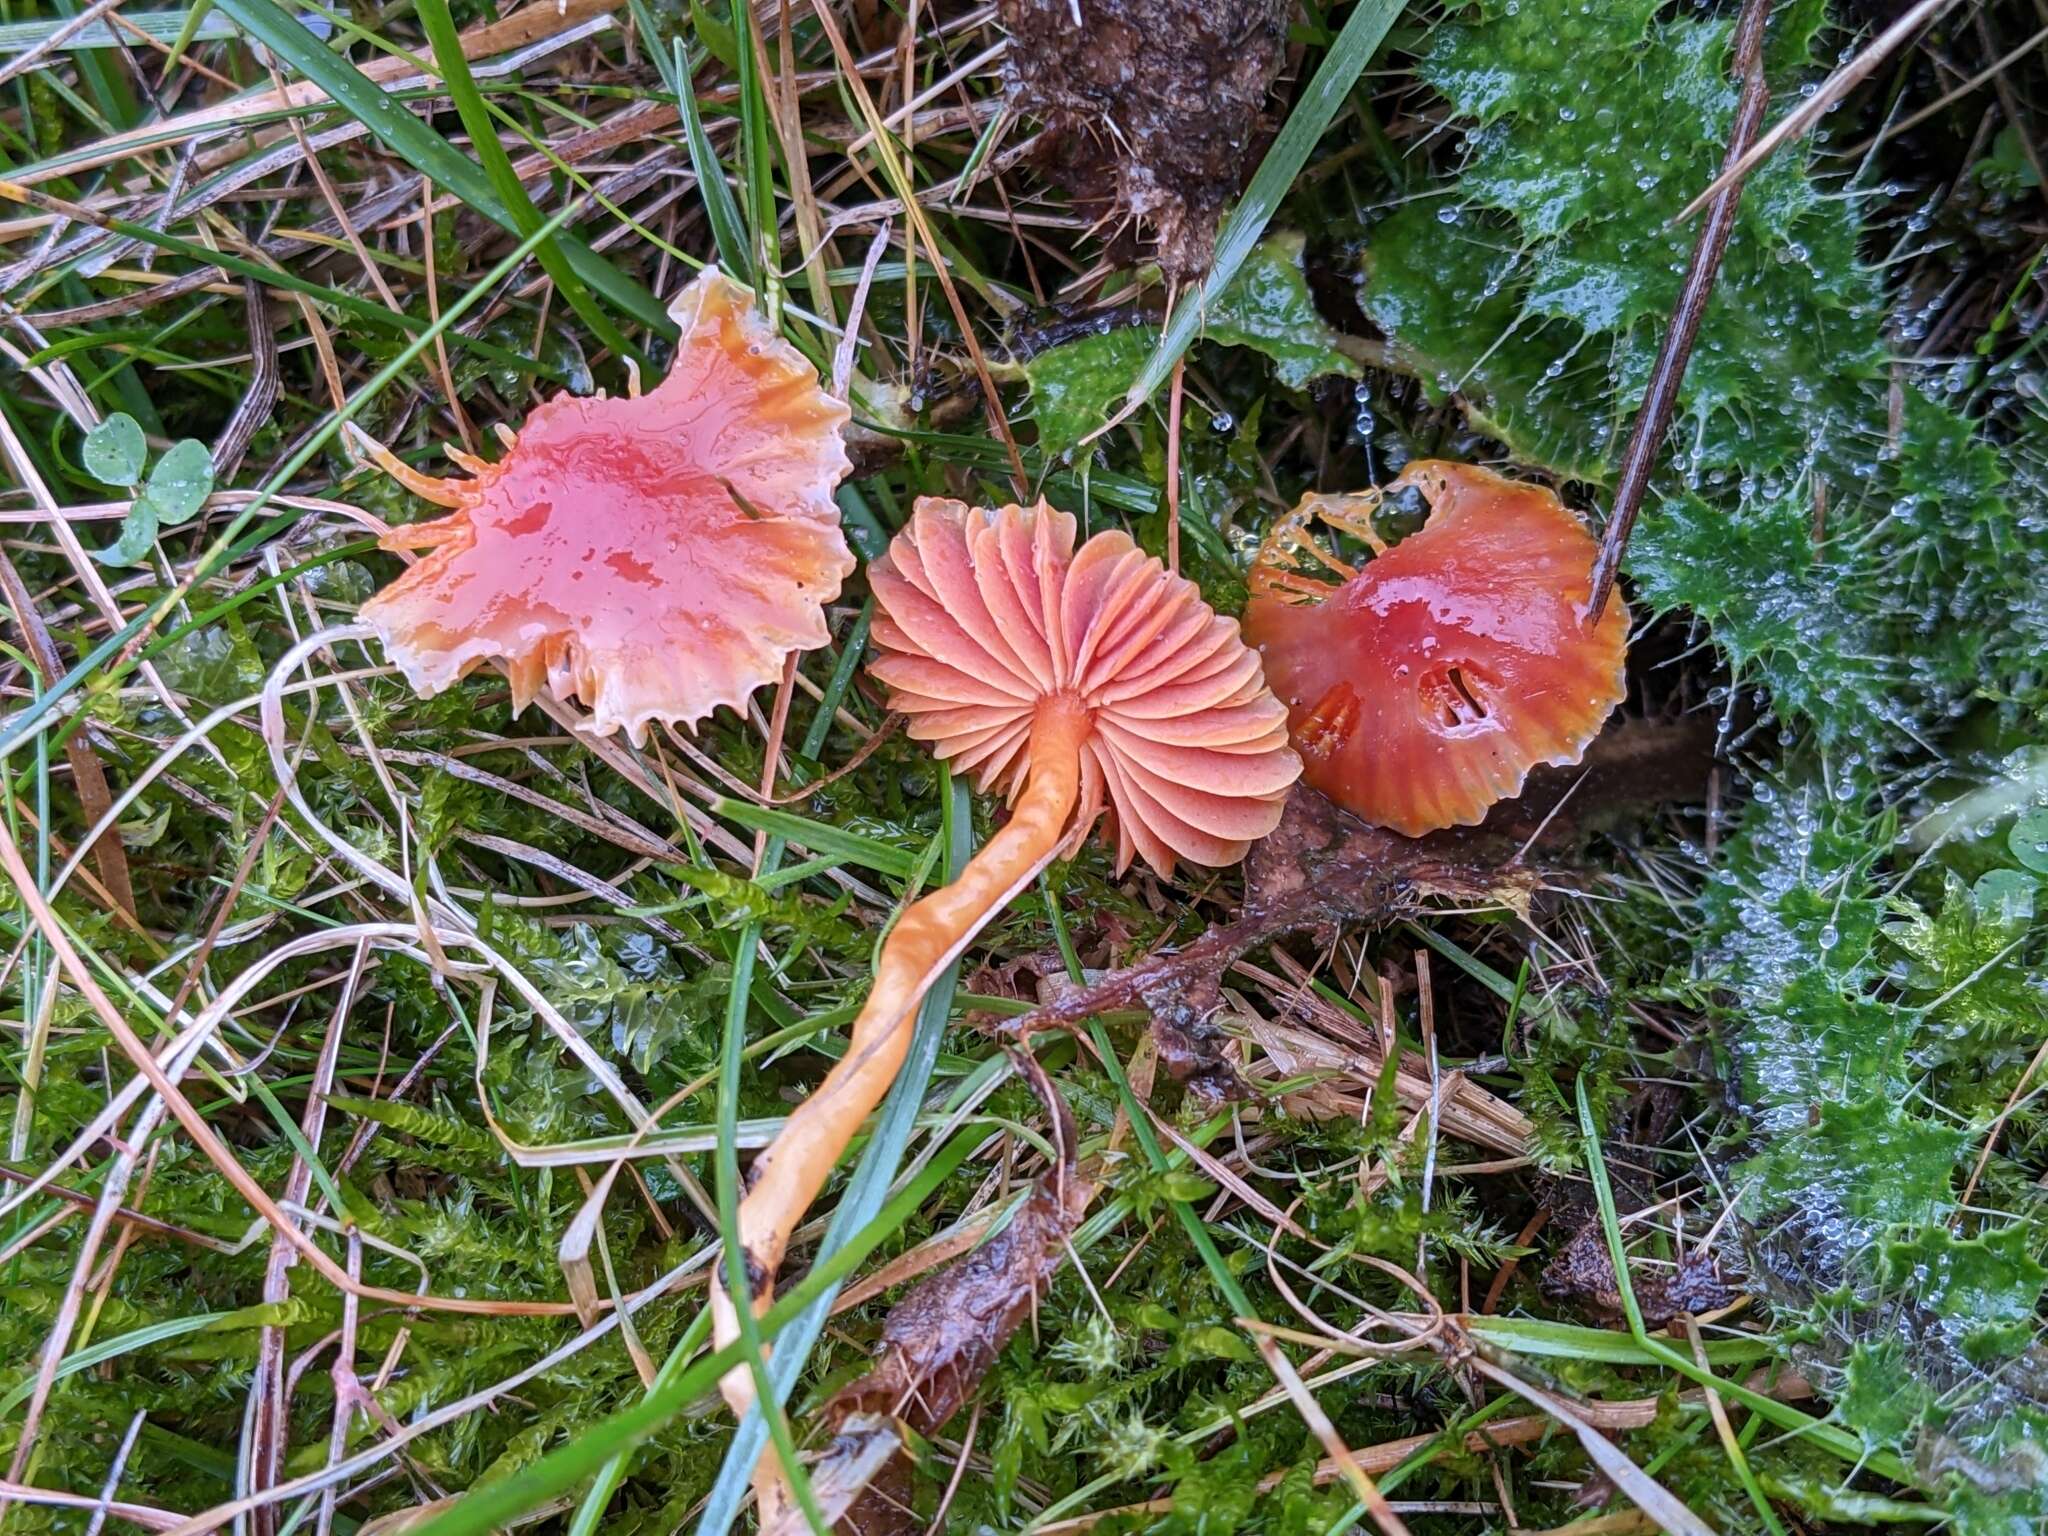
[{"x": 1079, "y": 682}]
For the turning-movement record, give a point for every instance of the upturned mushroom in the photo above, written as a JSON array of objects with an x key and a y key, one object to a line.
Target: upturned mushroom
[
  {"x": 656, "y": 555},
  {"x": 1075, "y": 683},
  {"x": 1423, "y": 685}
]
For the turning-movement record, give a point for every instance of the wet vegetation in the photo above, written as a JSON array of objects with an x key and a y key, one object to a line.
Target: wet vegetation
[{"x": 373, "y": 1087}]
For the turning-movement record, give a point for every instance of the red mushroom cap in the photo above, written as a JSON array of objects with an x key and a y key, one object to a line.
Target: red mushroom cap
[
  {"x": 984, "y": 614},
  {"x": 1422, "y": 687},
  {"x": 655, "y": 556}
]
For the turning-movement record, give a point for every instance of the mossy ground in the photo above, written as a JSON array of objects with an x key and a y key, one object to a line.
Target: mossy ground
[{"x": 1799, "y": 998}]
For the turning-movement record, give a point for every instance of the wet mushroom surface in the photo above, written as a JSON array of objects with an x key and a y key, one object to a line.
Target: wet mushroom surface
[
  {"x": 1424, "y": 682},
  {"x": 656, "y": 555}
]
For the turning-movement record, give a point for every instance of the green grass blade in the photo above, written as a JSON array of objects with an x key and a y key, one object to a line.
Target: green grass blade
[
  {"x": 1571, "y": 1341},
  {"x": 735, "y": 1258},
  {"x": 1467, "y": 962},
  {"x": 476, "y": 117},
  {"x": 498, "y": 1505},
  {"x": 193, "y": 25},
  {"x": 818, "y": 836},
  {"x": 723, "y": 213},
  {"x": 756, "y": 165},
  {"x": 261, "y": 1315},
  {"x": 425, "y": 150},
  {"x": 1830, "y": 1437},
  {"x": 1363, "y": 32},
  {"x": 591, "y": 1510},
  {"x": 197, "y": 21},
  {"x": 670, "y": 59},
  {"x": 107, "y": 82},
  {"x": 1141, "y": 1124},
  {"x": 592, "y": 1507}
]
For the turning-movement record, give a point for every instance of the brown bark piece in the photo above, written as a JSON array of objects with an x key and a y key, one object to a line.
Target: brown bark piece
[
  {"x": 1154, "y": 110},
  {"x": 942, "y": 1338},
  {"x": 1319, "y": 869},
  {"x": 1323, "y": 868}
]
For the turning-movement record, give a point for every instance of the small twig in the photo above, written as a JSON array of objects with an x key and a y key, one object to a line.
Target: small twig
[
  {"x": 882, "y": 733},
  {"x": 1661, "y": 398},
  {"x": 1816, "y": 106},
  {"x": 266, "y": 387},
  {"x": 115, "y": 1469},
  {"x": 462, "y": 426},
  {"x": 1319, "y": 1425},
  {"x": 938, "y": 1522},
  {"x": 849, "y": 339},
  {"x": 1950, "y": 98},
  {"x": 27, "y": 60},
  {"x": 1997, "y": 1125}
]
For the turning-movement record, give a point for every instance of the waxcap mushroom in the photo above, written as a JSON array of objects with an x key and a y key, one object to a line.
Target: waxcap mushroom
[
  {"x": 1071, "y": 681},
  {"x": 655, "y": 556},
  {"x": 1423, "y": 685}
]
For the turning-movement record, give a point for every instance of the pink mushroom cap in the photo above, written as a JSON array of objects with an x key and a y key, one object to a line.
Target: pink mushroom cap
[
  {"x": 655, "y": 556},
  {"x": 1424, "y": 684}
]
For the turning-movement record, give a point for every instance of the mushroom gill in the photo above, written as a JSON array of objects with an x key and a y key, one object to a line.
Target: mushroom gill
[{"x": 988, "y": 617}]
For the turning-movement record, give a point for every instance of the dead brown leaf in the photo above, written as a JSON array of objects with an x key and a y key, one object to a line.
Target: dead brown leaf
[
  {"x": 1583, "y": 1272},
  {"x": 940, "y": 1339},
  {"x": 1323, "y": 868}
]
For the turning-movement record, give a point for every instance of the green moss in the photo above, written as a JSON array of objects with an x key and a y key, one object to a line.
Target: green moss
[
  {"x": 1859, "y": 549},
  {"x": 1842, "y": 1023},
  {"x": 1871, "y": 1041},
  {"x": 1846, "y": 537}
]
